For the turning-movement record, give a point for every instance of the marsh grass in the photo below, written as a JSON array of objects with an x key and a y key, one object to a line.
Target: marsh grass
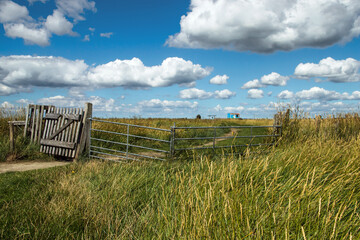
[{"x": 308, "y": 187}]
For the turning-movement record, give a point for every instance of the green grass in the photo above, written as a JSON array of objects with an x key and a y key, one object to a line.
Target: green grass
[{"x": 308, "y": 187}]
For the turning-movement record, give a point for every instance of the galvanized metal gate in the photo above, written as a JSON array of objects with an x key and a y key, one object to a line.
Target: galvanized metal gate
[{"x": 120, "y": 143}]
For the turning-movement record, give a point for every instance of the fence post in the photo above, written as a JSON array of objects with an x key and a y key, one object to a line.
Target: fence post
[
  {"x": 127, "y": 141},
  {"x": 84, "y": 143},
  {"x": 172, "y": 141},
  {"x": 12, "y": 141},
  {"x": 214, "y": 139}
]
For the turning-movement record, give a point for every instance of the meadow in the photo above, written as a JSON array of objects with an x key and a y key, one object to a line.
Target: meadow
[{"x": 307, "y": 187}]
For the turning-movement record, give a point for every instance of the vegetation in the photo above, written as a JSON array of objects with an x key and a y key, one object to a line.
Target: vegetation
[
  {"x": 308, "y": 187},
  {"x": 23, "y": 150}
]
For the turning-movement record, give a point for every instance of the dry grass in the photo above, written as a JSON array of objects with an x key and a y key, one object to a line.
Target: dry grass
[{"x": 306, "y": 188}]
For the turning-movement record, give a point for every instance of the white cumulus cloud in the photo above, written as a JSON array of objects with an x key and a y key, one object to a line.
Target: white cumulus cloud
[
  {"x": 252, "y": 84},
  {"x": 267, "y": 25},
  {"x": 12, "y": 12},
  {"x": 255, "y": 93},
  {"x": 274, "y": 79},
  {"x": 19, "y": 72},
  {"x": 219, "y": 80},
  {"x": 286, "y": 94},
  {"x": 75, "y": 8},
  {"x": 194, "y": 93},
  {"x": 18, "y": 23},
  {"x": 58, "y": 24},
  {"x": 330, "y": 69}
]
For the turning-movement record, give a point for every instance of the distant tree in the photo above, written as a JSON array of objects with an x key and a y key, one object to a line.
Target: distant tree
[{"x": 198, "y": 116}]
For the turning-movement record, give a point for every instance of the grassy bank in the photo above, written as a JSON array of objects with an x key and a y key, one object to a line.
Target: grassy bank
[{"x": 306, "y": 188}]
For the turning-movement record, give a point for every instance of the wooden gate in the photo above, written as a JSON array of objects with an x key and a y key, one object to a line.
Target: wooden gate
[{"x": 61, "y": 131}]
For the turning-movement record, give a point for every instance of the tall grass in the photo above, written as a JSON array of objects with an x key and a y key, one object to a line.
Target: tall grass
[
  {"x": 23, "y": 148},
  {"x": 308, "y": 187}
]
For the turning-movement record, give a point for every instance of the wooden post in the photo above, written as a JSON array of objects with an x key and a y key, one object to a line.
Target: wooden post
[
  {"x": 12, "y": 141},
  {"x": 84, "y": 143},
  {"x": 27, "y": 120}
]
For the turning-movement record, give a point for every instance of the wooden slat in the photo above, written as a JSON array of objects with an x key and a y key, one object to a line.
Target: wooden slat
[
  {"x": 66, "y": 115},
  {"x": 46, "y": 127},
  {"x": 84, "y": 137},
  {"x": 57, "y": 133},
  {"x": 54, "y": 128},
  {"x": 17, "y": 123},
  {"x": 26, "y": 120},
  {"x": 36, "y": 122},
  {"x": 53, "y": 116},
  {"x": 40, "y": 122},
  {"x": 67, "y": 136},
  {"x": 75, "y": 117},
  {"x": 32, "y": 123},
  {"x": 57, "y": 144},
  {"x": 62, "y": 134},
  {"x": 58, "y": 125},
  {"x": 77, "y": 132}
]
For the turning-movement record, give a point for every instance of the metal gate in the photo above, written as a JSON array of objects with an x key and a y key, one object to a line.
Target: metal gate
[{"x": 122, "y": 141}]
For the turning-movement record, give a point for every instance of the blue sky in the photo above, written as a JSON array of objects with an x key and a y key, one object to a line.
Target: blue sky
[{"x": 177, "y": 58}]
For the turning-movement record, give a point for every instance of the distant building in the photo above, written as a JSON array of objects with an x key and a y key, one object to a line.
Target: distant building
[{"x": 233, "y": 115}]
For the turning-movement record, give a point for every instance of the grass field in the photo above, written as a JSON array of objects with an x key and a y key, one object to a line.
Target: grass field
[{"x": 308, "y": 187}]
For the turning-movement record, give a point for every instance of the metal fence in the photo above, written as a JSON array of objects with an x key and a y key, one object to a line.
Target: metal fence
[
  {"x": 116, "y": 145},
  {"x": 115, "y": 154},
  {"x": 253, "y": 134}
]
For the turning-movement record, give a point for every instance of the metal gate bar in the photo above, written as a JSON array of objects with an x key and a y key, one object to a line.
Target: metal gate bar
[{"x": 127, "y": 144}]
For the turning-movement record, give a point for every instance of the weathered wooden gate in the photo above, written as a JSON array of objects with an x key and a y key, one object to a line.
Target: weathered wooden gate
[{"x": 62, "y": 131}]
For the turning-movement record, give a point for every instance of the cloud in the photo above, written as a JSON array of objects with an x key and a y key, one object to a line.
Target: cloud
[
  {"x": 219, "y": 80},
  {"x": 99, "y": 104},
  {"x": 75, "y": 8},
  {"x": 18, "y": 24},
  {"x": 332, "y": 70},
  {"x": 18, "y": 72},
  {"x": 12, "y": 12},
  {"x": 134, "y": 74},
  {"x": 255, "y": 93},
  {"x": 286, "y": 94},
  {"x": 107, "y": 35},
  {"x": 267, "y": 25},
  {"x": 31, "y": 33},
  {"x": 274, "y": 79},
  {"x": 58, "y": 24},
  {"x": 224, "y": 94},
  {"x": 194, "y": 93},
  {"x": 86, "y": 38},
  {"x": 234, "y": 109},
  {"x": 6, "y": 105},
  {"x": 252, "y": 84},
  {"x": 157, "y": 103},
  {"x": 320, "y": 94}
]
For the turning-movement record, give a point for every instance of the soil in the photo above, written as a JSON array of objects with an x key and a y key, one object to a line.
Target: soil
[{"x": 26, "y": 166}]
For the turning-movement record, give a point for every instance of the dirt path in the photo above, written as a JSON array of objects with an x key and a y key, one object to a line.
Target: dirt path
[
  {"x": 229, "y": 134},
  {"x": 26, "y": 166}
]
